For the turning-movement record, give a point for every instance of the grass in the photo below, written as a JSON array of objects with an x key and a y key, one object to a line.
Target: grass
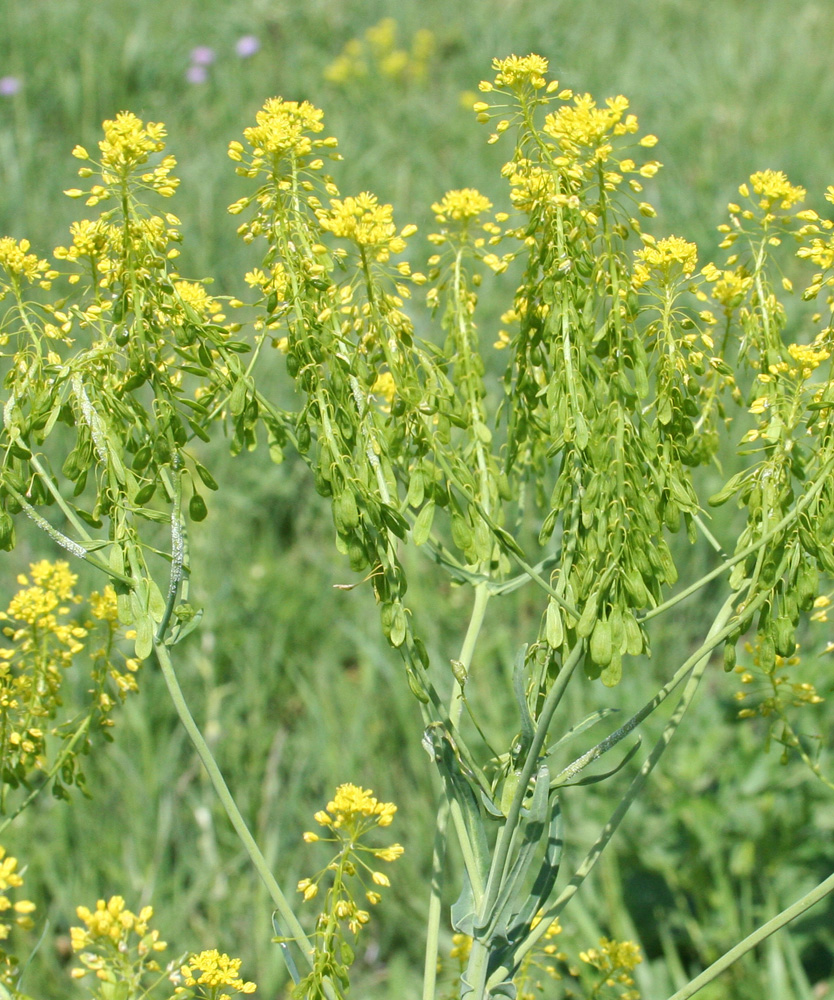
[{"x": 288, "y": 676}]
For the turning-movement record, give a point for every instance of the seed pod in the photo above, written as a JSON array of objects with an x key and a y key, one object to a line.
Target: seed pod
[
  {"x": 612, "y": 674},
  {"x": 422, "y": 524},
  {"x": 585, "y": 625},
  {"x": 197, "y": 509},
  {"x": 729, "y": 656},
  {"x": 807, "y": 585},
  {"x": 345, "y": 511},
  {"x": 633, "y": 635},
  {"x": 784, "y": 636},
  {"x": 356, "y": 554},
  {"x": 553, "y": 629},
  {"x": 601, "y": 647},
  {"x": 767, "y": 651}
]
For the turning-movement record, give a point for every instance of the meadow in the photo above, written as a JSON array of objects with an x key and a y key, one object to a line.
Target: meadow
[{"x": 288, "y": 675}]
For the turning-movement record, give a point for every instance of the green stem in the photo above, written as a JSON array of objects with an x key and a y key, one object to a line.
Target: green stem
[
  {"x": 476, "y": 620},
  {"x": 759, "y": 935},
  {"x": 476, "y": 972},
  {"x": 696, "y": 664},
  {"x": 288, "y": 917}
]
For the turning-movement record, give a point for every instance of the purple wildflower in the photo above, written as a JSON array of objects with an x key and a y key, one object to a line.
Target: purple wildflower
[
  {"x": 9, "y": 85},
  {"x": 196, "y": 74},
  {"x": 203, "y": 55},
  {"x": 246, "y": 46}
]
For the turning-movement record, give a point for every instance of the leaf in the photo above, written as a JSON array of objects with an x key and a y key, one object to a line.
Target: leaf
[{"x": 422, "y": 524}]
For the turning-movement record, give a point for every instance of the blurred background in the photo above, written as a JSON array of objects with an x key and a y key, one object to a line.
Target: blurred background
[{"x": 290, "y": 679}]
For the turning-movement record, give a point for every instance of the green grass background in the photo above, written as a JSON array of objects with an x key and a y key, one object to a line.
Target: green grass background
[{"x": 289, "y": 677}]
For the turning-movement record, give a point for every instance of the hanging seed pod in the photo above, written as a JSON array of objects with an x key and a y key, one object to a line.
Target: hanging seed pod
[{"x": 601, "y": 646}]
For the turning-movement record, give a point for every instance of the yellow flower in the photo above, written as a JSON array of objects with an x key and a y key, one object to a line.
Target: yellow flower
[
  {"x": 385, "y": 386},
  {"x": 210, "y": 968},
  {"x": 773, "y": 186},
  {"x": 15, "y": 260},
  {"x": 664, "y": 255},
  {"x": 283, "y": 126},
  {"x": 516, "y": 72},
  {"x": 587, "y": 126},
  {"x": 462, "y": 205},
  {"x": 364, "y": 221}
]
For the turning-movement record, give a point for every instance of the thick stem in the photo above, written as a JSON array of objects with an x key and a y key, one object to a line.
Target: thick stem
[{"x": 476, "y": 620}]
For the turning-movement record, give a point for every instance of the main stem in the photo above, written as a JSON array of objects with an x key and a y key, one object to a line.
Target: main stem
[{"x": 476, "y": 620}]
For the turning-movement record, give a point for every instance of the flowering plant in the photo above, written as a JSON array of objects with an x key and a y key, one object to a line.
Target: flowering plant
[{"x": 572, "y": 474}]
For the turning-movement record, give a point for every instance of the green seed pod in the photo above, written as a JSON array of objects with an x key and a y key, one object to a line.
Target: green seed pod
[
  {"x": 617, "y": 623},
  {"x": 672, "y": 516},
  {"x": 767, "y": 651},
  {"x": 612, "y": 674},
  {"x": 461, "y": 532},
  {"x": 585, "y": 625},
  {"x": 729, "y": 656},
  {"x": 784, "y": 636},
  {"x": 345, "y": 511},
  {"x": 807, "y": 585},
  {"x": 197, "y": 509},
  {"x": 553, "y": 628},
  {"x": 356, "y": 554},
  {"x": 633, "y": 635},
  {"x": 601, "y": 647}
]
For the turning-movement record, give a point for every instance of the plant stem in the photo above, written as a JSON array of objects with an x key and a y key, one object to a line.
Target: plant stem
[
  {"x": 759, "y": 935},
  {"x": 288, "y": 917},
  {"x": 476, "y": 620}
]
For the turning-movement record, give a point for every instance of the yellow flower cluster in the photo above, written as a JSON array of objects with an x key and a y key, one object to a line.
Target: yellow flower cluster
[
  {"x": 518, "y": 72},
  {"x": 666, "y": 258},
  {"x": 780, "y": 689},
  {"x": 17, "y": 262},
  {"x": 809, "y": 356},
  {"x": 10, "y": 878},
  {"x": 729, "y": 288},
  {"x": 94, "y": 242},
  {"x": 351, "y": 814},
  {"x": 773, "y": 186},
  {"x": 282, "y": 130},
  {"x": 379, "y": 53},
  {"x": 214, "y": 970},
  {"x": 615, "y": 960},
  {"x": 115, "y": 939},
  {"x": 194, "y": 295},
  {"x": 366, "y": 223},
  {"x": 586, "y": 126},
  {"x": 352, "y": 806},
  {"x": 128, "y": 143},
  {"x": 461, "y": 206}
]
